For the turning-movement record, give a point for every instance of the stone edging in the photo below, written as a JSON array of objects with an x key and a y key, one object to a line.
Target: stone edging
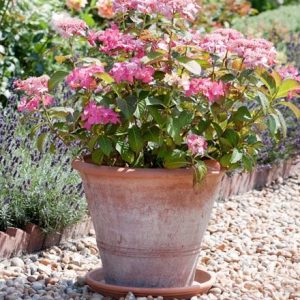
[
  {"x": 238, "y": 183},
  {"x": 15, "y": 241}
]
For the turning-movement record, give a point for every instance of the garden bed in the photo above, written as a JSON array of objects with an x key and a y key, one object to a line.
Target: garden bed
[{"x": 15, "y": 241}]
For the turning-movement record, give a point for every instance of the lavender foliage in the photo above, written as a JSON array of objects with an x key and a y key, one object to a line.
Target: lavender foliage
[{"x": 35, "y": 187}]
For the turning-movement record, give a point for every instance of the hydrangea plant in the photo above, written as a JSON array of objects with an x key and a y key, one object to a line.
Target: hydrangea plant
[{"x": 154, "y": 93}]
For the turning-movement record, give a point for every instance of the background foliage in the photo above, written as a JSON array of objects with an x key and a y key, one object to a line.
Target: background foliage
[{"x": 27, "y": 43}]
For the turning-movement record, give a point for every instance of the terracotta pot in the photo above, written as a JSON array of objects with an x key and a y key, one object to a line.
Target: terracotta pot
[{"x": 149, "y": 223}]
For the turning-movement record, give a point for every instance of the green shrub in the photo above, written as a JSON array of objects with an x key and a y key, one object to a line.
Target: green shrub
[
  {"x": 25, "y": 40},
  {"x": 285, "y": 19},
  {"x": 262, "y": 5}
]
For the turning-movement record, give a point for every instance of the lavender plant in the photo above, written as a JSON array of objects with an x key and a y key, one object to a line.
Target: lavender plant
[{"x": 35, "y": 187}]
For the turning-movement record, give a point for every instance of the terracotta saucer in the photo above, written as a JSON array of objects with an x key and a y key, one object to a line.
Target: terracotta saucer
[{"x": 203, "y": 282}]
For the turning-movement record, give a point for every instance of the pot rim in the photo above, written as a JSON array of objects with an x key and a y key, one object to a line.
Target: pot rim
[{"x": 213, "y": 167}]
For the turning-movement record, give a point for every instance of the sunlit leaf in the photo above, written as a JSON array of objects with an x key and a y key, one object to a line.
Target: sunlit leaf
[{"x": 287, "y": 86}]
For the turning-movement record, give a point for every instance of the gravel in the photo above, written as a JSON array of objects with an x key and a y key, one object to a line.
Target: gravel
[{"x": 252, "y": 245}]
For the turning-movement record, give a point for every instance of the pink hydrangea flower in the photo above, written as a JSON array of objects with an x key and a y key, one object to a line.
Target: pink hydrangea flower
[
  {"x": 211, "y": 89},
  {"x": 93, "y": 115},
  {"x": 113, "y": 41},
  {"x": 254, "y": 52},
  {"x": 130, "y": 71},
  {"x": 105, "y": 8},
  {"x": 185, "y": 8},
  {"x": 196, "y": 144},
  {"x": 84, "y": 77},
  {"x": 36, "y": 92},
  {"x": 76, "y": 4},
  {"x": 27, "y": 104},
  {"x": 33, "y": 85},
  {"x": 67, "y": 26},
  {"x": 218, "y": 41},
  {"x": 287, "y": 72}
]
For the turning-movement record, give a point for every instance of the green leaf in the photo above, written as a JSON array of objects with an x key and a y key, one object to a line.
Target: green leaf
[
  {"x": 105, "y": 145},
  {"x": 176, "y": 124},
  {"x": 152, "y": 57},
  {"x": 135, "y": 139},
  {"x": 191, "y": 65},
  {"x": 175, "y": 160},
  {"x": 225, "y": 160},
  {"x": 152, "y": 134},
  {"x": 52, "y": 148},
  {"x": 268, "y": 80},
  {"x": 38, "y": 37},
  {"x": 40, "y": 142},
  {"x": 245, "y": 74},
  {"x": 227, "y": 77},
  {"x": 264, "y": 102},
  {"x": 277, "y": 78},
  {"x": 218, "y": 129},
  {"x": 231, "y": 136},
  {"x": 236, "y": 156},
  {"x": 56, "y": 78},
  {"x": 247, "y": 162},
  {"x": 282, "y": 122},
  {"x": 92, "y": 142},
  {"x": 200, "y": 171},
  {"x": 106, "y": 78},
  {"x": 287, "y": 86},
  {"x": 157, "y": 116},
  {"x": 140, "y": 109},
  {"x": 292, "y": 107},
  {"x": 153, "y": 101},
  {"x": 125, "y": 152},
  {"x": 97, "y": 156},
  {"x": 34, "y": 130},
  {"x": 88, "y": 18},
  {"x": 127, "y": 106},
  {"x": 60, "y": 112},
  {"x": 242, "y": 114},
  {"x": 273, "y": 123}
]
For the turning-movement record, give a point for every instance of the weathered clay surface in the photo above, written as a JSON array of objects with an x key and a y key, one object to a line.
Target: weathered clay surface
[{"x": 148, "y": 222}]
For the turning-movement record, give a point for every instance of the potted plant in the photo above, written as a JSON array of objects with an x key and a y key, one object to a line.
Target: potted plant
[{"x": 158, "y": 112}]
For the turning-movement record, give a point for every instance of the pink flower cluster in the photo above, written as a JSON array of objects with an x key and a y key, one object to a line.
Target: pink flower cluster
[
  {"x": 185, "y": 8},
  {"x": 113, "y": 41},
  {"x": 84, "y": 77},
  {"x": 67, "y": 26},
  {"x": 93, "y": 115},
  {"x": 211, "y": 89},
  {"x": 254, "y": 52},
  {"x": 36, "y": 90},
  {"x": 105, "y": 8},
  {"x": 218, "y": 41},
  {"x": 289, "y": 72},
  {"x": 130, "y": 71},
  {"x": 196, "y": 144}
]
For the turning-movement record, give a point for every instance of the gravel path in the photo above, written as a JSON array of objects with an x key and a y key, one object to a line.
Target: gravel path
[{"x": 252, "y": 244}]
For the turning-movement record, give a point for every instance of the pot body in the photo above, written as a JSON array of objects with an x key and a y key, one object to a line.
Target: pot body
[{"x": 149, "y": 223}]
